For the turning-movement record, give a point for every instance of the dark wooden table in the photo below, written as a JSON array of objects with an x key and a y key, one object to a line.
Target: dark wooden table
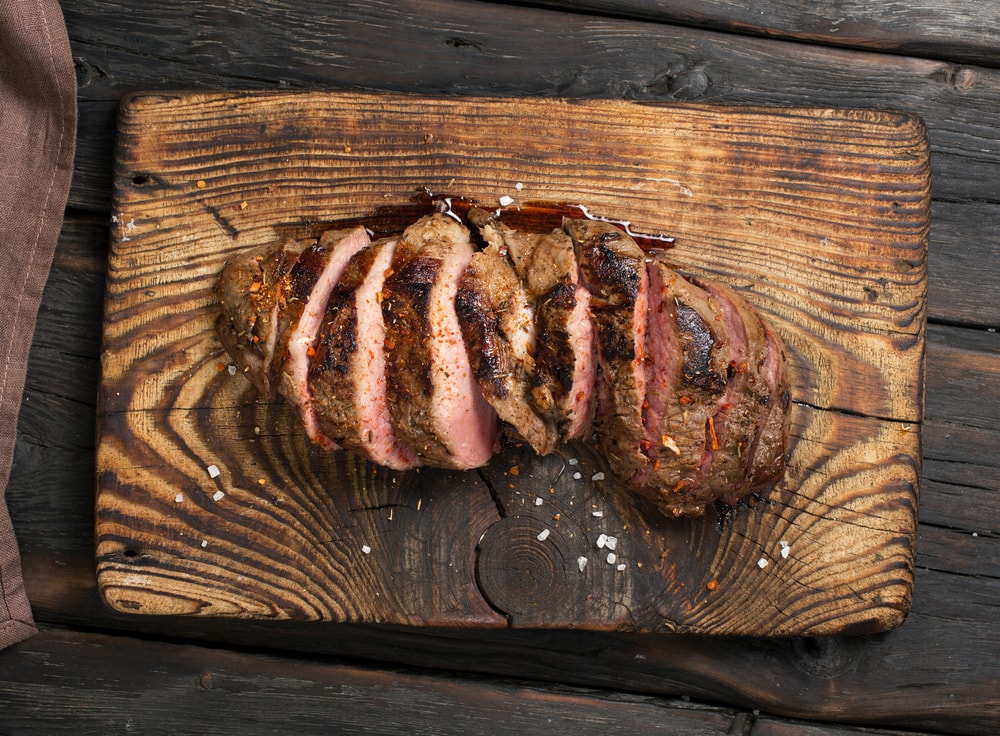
[{"x": 93, "y": 671}]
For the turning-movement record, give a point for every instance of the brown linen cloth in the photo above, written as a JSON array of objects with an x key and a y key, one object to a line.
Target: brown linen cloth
[{"x": 37, "y": 141}]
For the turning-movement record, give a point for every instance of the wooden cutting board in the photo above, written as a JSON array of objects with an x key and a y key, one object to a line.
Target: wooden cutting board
[{"x": 820, "y": 217}]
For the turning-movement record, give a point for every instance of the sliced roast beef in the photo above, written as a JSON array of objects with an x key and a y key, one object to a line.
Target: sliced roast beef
[
  {"x": 564, "y": 362},
  {"x": 497, "y": 319},
  {"x": 687, "y": 361},
  {"x": 347, "y": 370},
  {"x": 731, "y": 430},
  {"x": 614, "y": 271},
  {"x": 435, "y": 404},
  {"x": 564, "y": 385},
  {"x": 310, "y": 282},
  {"x": 410, "y": 352},
  {"x": 252, "y": 291}
]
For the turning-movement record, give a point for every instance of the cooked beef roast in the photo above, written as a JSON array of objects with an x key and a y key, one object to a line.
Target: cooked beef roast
[
  {"x": 428, "y": 350},
  {"x": 498, "y": 324},
  {"x": 435, "y": 404},
  {"x": 560, "y": 363},
  {"x": 347, "y": 370},
  {"x": 614, "y": 272}
]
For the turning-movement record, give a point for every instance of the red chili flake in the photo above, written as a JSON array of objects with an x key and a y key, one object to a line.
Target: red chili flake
[
  {"x": 255, "y": 287},
  {"x": 255, "y": 339},
  {"x": 311, "y": 351},
  {"x": 712, "y": 584},
  {"x": 711, "y": 433},
  {"x": 677, "y": 488},
  {"x": 556, "y": 517},
  {"x": 726, "y": 406},
  {"x": 685, "y": 400},
  {"x": 220, "y": 367},
  {"x": 514, "y": 470}
]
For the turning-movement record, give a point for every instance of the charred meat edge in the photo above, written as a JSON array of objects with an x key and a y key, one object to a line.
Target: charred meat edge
[
  {"x": 613, "y": 269},
  {"x": 347, "y": 370},
  {"x": 436, "y": 406}
]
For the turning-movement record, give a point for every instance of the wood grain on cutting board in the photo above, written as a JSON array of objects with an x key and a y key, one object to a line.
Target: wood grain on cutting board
[{"x": 819, "y": 217}]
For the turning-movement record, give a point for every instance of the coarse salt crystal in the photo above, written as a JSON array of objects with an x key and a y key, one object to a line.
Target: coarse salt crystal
[
  {"x": 597, "y": 514},
  {"x": 218, "y": 496},
  {"x": 572, "y": 461},
  {"x": 179, "y": 498},
  {"x": 204, "y": 543},
  {"x": 519, "y": 186},
  {"x": 762, "y": 563},
  {"x": 611, "y": 542},
  {"x": 543, "y": 535},
  {"x": 506, "y": 200},
  {"x": 601, "y": 541},
  {"x": 581, "y": 562},
  {"x": 232, "y": 369},
  {"x": 366, "y": 549},
  {"x": 612, "y": 558},
  {"x": 539, "y": 501},
  {"x": 620, "y": 567},
  {"x": 213, "y": 471},
  {"x": 577, "y": 476},
  {"x": 784, "y": 549},
  {"x": 597, "y": 476}
]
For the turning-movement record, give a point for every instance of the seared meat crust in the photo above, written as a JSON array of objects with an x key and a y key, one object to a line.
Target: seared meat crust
[
  {"x": 416, "y": 351},
  {"x": 498, "y": 325},
  {"x": 614, "y": 271},
  {"x": 436, "y": 406}
]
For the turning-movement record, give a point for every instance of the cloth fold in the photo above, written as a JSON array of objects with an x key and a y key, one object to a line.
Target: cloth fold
[{"x": 37, "y": 143}]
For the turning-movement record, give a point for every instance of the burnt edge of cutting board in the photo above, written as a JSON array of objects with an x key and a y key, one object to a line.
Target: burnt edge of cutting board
[{"x": 819, "y": 217}]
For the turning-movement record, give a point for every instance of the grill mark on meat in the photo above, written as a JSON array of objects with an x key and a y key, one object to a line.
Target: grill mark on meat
[
  {"x": 251, "y": 290},
  {"x": 562, "y": 383},
  {"x": 491, "y": 363},
  {"x": 316, "y": 273},
  {"x": 436, "y": 406},
  {"x": 407, "y": 303},
  {"x": 565, "y": 359},
  {"x": 698, "y": 345},
  {"x": 613, "y": 269},
  {"x": 498, "y": 326},
  {"x": 347, "y": 372},
  {"x": 733, "y": 425},
  {"x": 687, "y": 353}
]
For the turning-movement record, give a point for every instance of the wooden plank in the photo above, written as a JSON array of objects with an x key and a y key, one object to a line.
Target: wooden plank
[
  {"x": 83, "y": 683},
  {"x": 51, "y": 499},
  {"x": 962, "y": 30},
  {"x": 595, "y": 58},
  {"x": 623, "y": 59},
  {"x": 86, "y": 683},
  {"x": 820, "y": 216}
]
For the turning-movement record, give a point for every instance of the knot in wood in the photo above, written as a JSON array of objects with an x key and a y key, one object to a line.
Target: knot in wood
[{"x": 524, "y": 568}]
